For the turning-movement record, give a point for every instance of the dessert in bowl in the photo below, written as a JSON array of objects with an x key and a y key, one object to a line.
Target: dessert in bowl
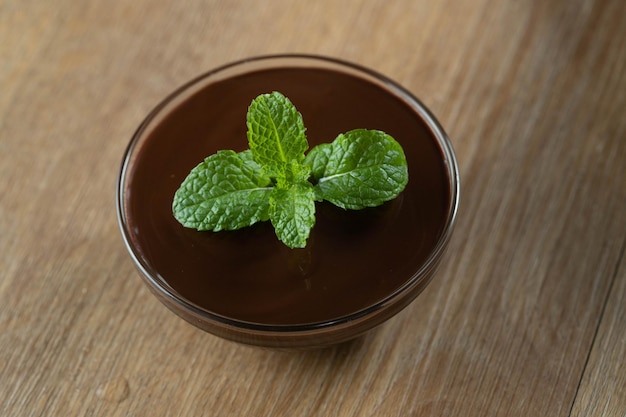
[{"x": 359, "y": 267}]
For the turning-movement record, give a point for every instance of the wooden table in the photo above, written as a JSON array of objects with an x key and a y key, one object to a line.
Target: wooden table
[{"x": 527, "y": 316}]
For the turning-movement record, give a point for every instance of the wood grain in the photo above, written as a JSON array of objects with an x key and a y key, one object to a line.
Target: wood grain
[
  {"x": 600, "y": 392},
  {"x": 526, "y": 315}
]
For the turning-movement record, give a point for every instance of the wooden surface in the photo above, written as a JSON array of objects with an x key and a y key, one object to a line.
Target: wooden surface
[{"x": 527, "y": 316}]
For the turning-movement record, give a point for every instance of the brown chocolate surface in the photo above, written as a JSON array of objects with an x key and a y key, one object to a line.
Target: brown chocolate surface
[{"x": 353, "y": 258}]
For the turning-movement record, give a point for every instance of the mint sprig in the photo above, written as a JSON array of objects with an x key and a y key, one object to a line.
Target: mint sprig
[{"x": 275, "y": 180}]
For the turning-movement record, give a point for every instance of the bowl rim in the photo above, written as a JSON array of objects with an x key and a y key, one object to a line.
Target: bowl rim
[{"x": 274, "y": 61}]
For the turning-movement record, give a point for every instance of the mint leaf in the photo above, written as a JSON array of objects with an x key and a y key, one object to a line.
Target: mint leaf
[
  {"x": 361, "y": 168},
  {"x": 276, "y": 134},
  {"x": 270, "y": 181},
  {"x": 292, "y": 213},
  {"x": 225, "y": 192}
]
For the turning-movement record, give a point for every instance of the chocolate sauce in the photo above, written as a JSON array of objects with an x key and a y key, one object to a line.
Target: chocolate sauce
[{"x": 353, "y": 258}]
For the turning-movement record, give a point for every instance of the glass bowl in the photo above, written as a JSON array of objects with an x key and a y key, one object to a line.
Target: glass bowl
[{"x": 359, "y": 268}]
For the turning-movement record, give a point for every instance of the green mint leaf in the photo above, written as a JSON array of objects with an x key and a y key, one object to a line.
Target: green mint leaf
[
  {"x": 225, "y": 192},
  {"x": 292, "y": 213},
  {"x": 361, "y": 168},
  {"x": 276, "y": 134}
]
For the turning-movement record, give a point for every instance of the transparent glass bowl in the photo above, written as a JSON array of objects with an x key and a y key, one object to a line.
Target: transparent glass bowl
[{"x": 307, "y": 334}]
